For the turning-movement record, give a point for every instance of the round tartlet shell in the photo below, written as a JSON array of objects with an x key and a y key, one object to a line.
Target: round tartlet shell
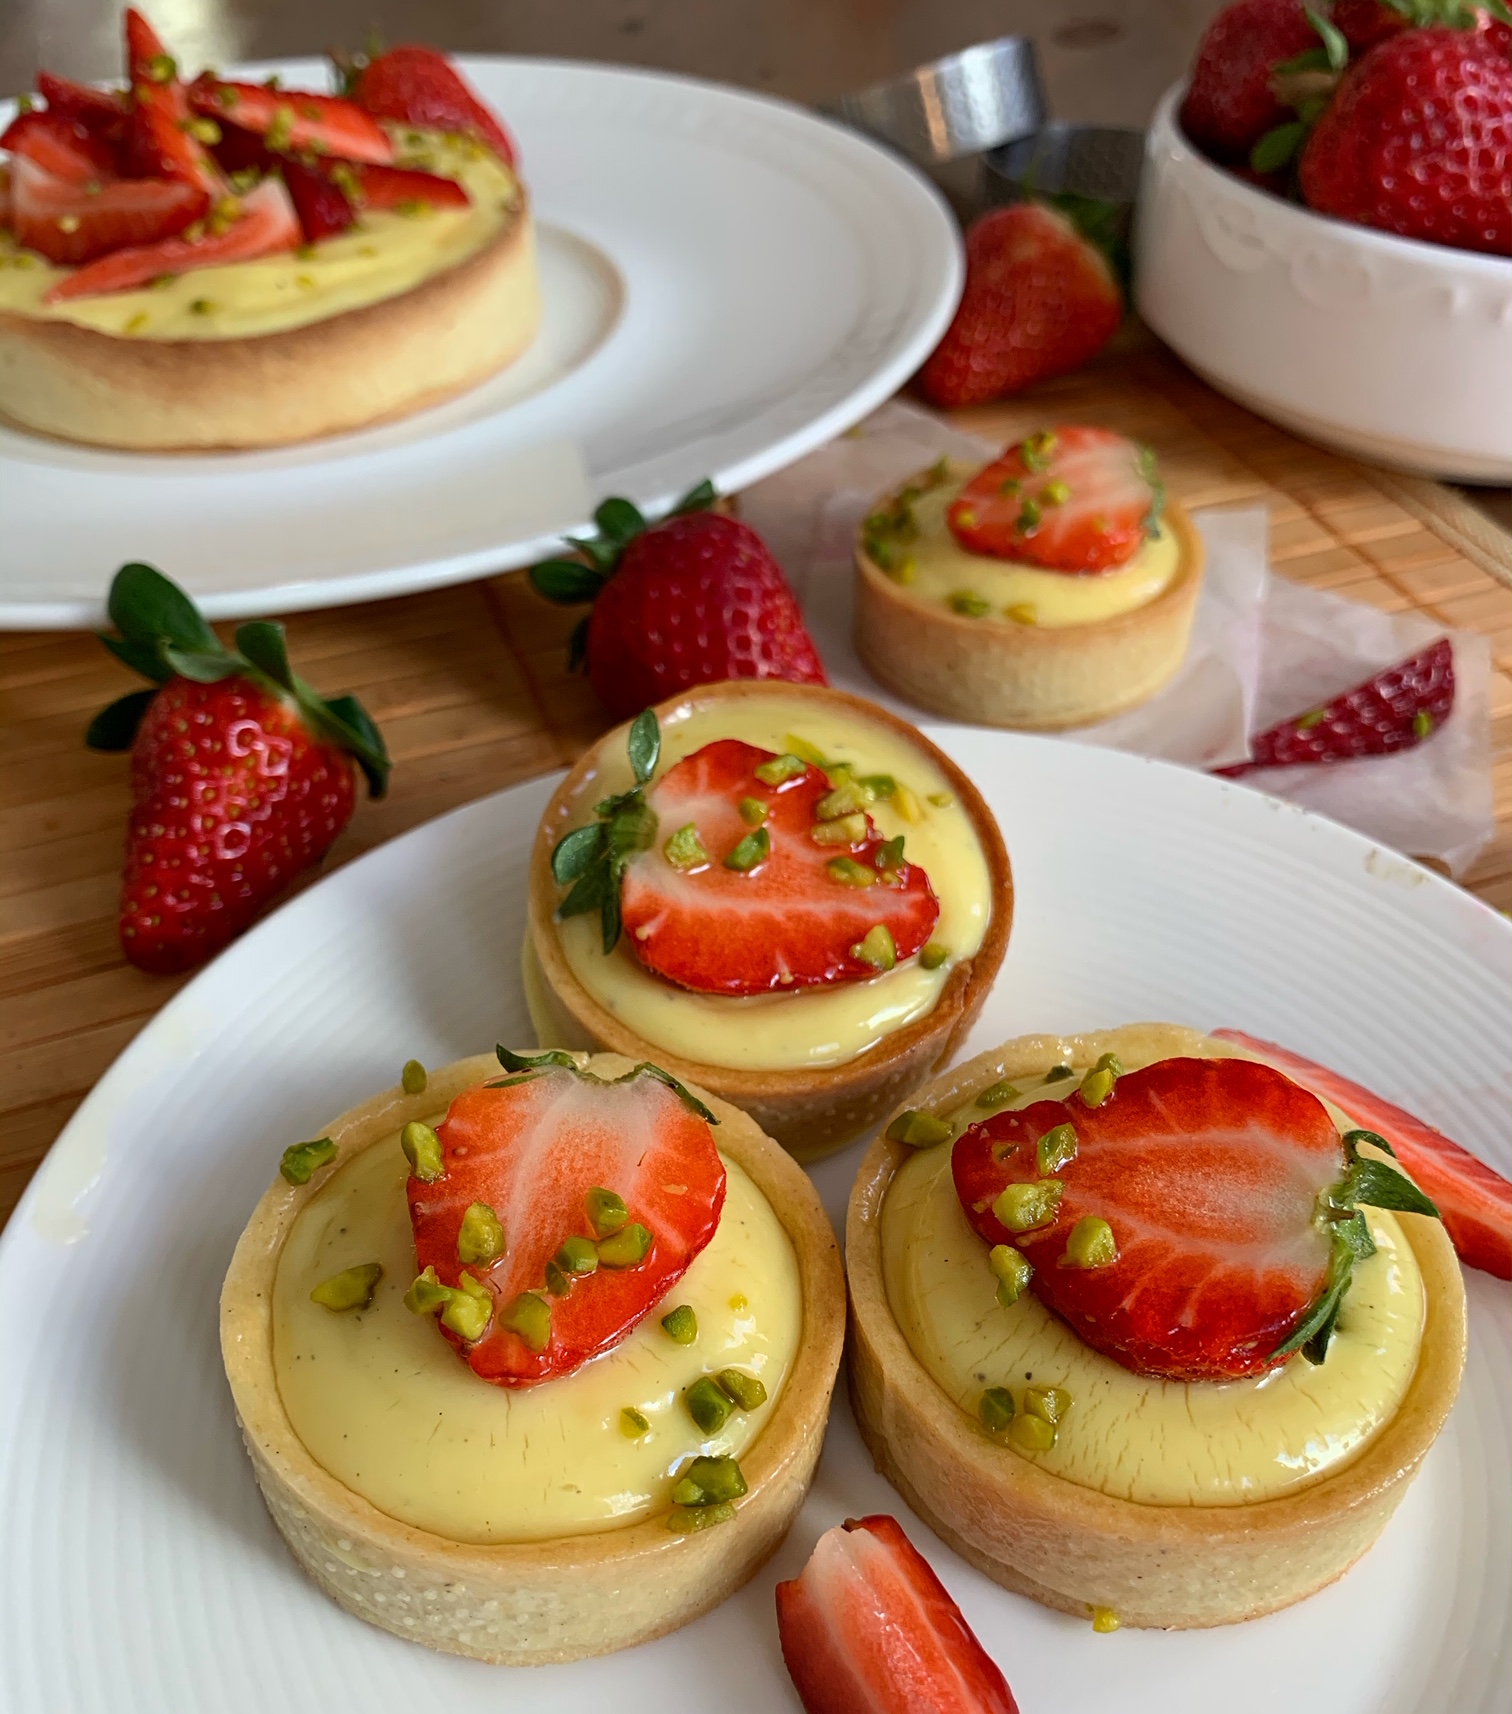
[
  {"x": 569, "y": 1597},
  {"x": 343, "y": 372},
  {"x": 810, "y": 1111},
  {"x": 1030, "y": 677},
  {"x": 1070, "y": 1547}
]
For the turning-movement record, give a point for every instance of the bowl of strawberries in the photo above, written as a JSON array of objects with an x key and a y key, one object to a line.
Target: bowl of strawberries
[{"x": 1323, "y": 228}]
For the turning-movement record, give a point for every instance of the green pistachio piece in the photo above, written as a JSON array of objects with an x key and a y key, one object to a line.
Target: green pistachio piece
[
  {"x": 1110, "y": 1062},
  {"x": 995, "y": 1409},
  {"x": 877, "y": 786},
  {"x": 888, "y": 858},
  {"x": 1058, "y": 1073},
  {"x": 849, "y": 873},
  {"x": 918, "y": 1129},
  {"x": 707, "y": 1481},
  {"x": 801, "y": 747},
  {"x": 747, "y": 1392},
  {"x": 997, "y": 1095},
  {"x": 1057, "y": 1148},
  {"x": 1104, "y": 1620},
  {"x": 302, "y": 1159},
  {"x": 1023, "y": 1207},
  {"x": 412, "y": 1079},
  {"x": 685, "y": 850},
  {"x": 1054, "y": 493},
  {"x": 968, "y": 604},
  {"x": 468, "y": 1311},
  {"x": 843, "y": 830},
  {"x": 1022, "y": 613},
  {"x": 681, "y": 1324},
  {"x": 557, "y": 1282},
  {"x": 427, "y": 1294},
  {"x": 686, "y": 1519},
  {"x": 754, "y": 849},
  {"x": 480, "y": 1238},
  {"x": 1096, "y": 1087},
  {"x": 1029, "y": 518},
  {"x": 708, "y": 1404},
  {"x": 1031, "y": 1433},
  {"x": 780, "y": 768},
  {"x": 753, "y": 811},
  {"x": 577, "y": 1256},
  {"x": 1036, "y": 449},
  {"x": 422, "y": 1149},
  {"x": 1013, "y": 1271},
  {"x": 529, "y": 1315},
  {"x": 1051, "y": 1403},
  {"x": 933, "y": 955},
  {"x": 623, "y": 1249},
  {"x": 352, "y": 1288},
  {"x": 941, "y": 800},
  {"x": 634, "y": 1423},
  {"x": 876, "y": 948},
  {"x": 606, "y": 1211},
  {"x": 846, "y": 799},
  {"x": 1091, "y": 1244}
]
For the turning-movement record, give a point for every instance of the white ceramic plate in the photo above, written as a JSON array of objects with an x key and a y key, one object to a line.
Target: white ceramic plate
[
  {"x": 141, "y": 1573},
  {"x": 729, "y": 282}
]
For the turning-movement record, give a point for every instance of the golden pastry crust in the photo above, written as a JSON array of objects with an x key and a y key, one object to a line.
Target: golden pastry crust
[
  {"x": 1031, "y": 677},
  {"x": 811, "y": 1112},
  {"x": 346, "y": 371},
  {"x": 1069, "y": 1547},
  {"x": 535, "y": 1602}
]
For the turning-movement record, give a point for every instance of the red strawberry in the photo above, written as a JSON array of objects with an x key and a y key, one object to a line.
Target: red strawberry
[
  {"x": 786, "y": 920},
  {"x": 161, "y": 140},
  {"x": 61, "y": 220},
  {"x": 1474, "y": 1201},
  {"x": 262, "y": 224},
  {"x": 1230, "y": 102},
  {"x": 1363, "y": 23},
  {"x": 103, "y": 111},
  {"x": 1393, "y": 710},
  {"x": 292, "y": 120},
  {"x": 241, "y": 777},
  {"x": 867, "y": 1628},
  {"x": 239, "y": 151},
  {"x": 1209, "y": 1172},
  {"x": 318, "y": 200},
  {"x": 1070, "y": 499},
  {"x": 692, "y": 600},
  {"x": 398, "y": 187},
  {"x": 530, "y": 1149},
  {"x": 1418, "y": 141},
  {"x": 1039, "y": 300},
  {"x": 418, "y": 86},
  {"x": 66, "y": 148}
]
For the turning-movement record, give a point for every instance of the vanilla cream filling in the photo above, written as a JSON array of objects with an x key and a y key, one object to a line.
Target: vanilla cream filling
[
  {"x": 939, "y": 568},
  {"x": 808, "y": 1027},
  {"x": 1165, "y": 1443},
  {"x": 385, "y": 1404},
  {"x": 381, "y": 256}
]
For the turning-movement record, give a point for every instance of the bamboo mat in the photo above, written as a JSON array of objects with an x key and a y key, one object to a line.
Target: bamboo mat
[{"x": 470, "y": 687}]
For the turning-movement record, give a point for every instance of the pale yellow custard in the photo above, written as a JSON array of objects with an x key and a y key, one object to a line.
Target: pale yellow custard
[
  {"x": 810, "y": 1027},
  {"x": 935, "y": 570},
  {"x": 1157, "y": 1442},
  {"x": 388, "y": 1407},
  {"x": 381, "y": 256}
]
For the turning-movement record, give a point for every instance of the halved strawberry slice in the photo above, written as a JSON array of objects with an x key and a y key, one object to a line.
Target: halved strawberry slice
[
  {"x": 319, "y": 202},
  {"x": 417, "y": 86},
  {"x": 160, "y": 133},
  {"x": 64, "y": 222},
  {"x": 102, "y": 111},
  {"x": 259, "y": 224},
  {"x": 1473, "y": 1200},
  {"x": 397, "y": 187},
  {"x": 867, "y": 1628},
  {"x": 293, "y": 120},
  {"x": 63, "y": 147},
  {"x": 529, "y": 1150},
  {"x": 1068, "y": 499}
]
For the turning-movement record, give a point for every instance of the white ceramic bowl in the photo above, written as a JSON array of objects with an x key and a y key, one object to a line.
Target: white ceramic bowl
[{"x": 1380, "y": 346}]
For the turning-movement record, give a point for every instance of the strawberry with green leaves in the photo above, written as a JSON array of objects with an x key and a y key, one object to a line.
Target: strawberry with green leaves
[{"x": 241, "y": 775}]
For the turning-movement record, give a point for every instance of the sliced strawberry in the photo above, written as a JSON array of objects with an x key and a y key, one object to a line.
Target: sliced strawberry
[
  {"x": 264, "y": 225},
  {"x": 64, "y": 147},
  {"x": 1209, "y": 1173},
  {"x": 294, "y": 121},
  {"x": 1069, "y": 499},
  {"x": 867, "y": 1628},
  {"x": 239, "y": 151},
  {"x": 102, "y": 111},
  {"x": 1474, "y": 1200},
  {"x": 531, "y": 1148},
  {"x": 64, "y": 222},
  {"x": 785, "y": 922},
  {"x": 1392, "y": 710},
  {"x": 160, "y": 133},
  {"x": 398, "y": 187},
  {"x": 418, "y": 86},
  {"x": 322, "y": 208}
]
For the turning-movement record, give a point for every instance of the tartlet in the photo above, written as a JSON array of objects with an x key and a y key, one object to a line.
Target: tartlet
[
  {"x": 810, "y": 1109},
  {"x": 533, "y": 1601},
  {"x": 1073, "y": 1547}
]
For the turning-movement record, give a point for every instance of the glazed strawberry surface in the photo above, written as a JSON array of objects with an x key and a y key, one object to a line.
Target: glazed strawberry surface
[{"x": 531, "y": 1151}]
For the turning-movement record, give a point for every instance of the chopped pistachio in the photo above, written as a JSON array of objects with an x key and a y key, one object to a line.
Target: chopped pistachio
[
  {"x": 850, "y": 873},
  {"x": 529, "y": 1315},
  {"x": 624, "y": 1248},
  {"x": 557, "y": 1282},
  {"x": 422, "y": 1149},
  {"x": 1022, "y": 613},
  {"x": 876, "y": 948},
  {"x": 843, "y": 830},
  {"x": 933, "y": 955},
  {"x": 1023, "y": 1207},
  {"x": 708, "y": 1480},
  {"x": 708, "y": 1404},
  {"x": 995, "y": 1409},
  {"x": 137, "y": 322},
  {"x": 302, "y": 1159},
  {"x": 753, "y": 811},
  {"x": 752, "y": 851},
  {"x": 746, "y": 1391},
  {"x": 1051, "y": 1403},
  {"x": 918, "y": 1129},
  {"x": 888, "y": 858},
  {"x": 1031, "y": 1433},
  {"x": 1054, "y": 493},
  {"x": 968, "y": 604},
  {"x": 203, "y": 130},
  {"x": 681, "y": 1324},
  {"x": 1029, "y": 518},
  {"x": 412, "y": 1079},
  {"x": 1091, "y": 1244},
  {"x": 941, "y": 800},
  {"x": 1013, "y": 1271},
  {"x": 1313, "y": 717},
  {"x": 906, "y": 804},
  {"x": 778, "y": 769},
  {"x": 1422, "y": 723},
  {"x": 1104, "y": 1620},
  {"x": 1036, "y": 449},
  {"x": 877, "y": 786},
  {"x": 997, "y": 1095},
  {"x": 468, "y": 1312},
  {"x": 685, "y": 850},
  {"x": 202, "y": 306},
  {"x": 845, "y": 799},
  {"x": 480, "y": 1238},
  {"x": 634, "y": 1423},
  {"x": 68, "y": 223},
  {"x": 684, "y": 1520},
  {"x": 426, "y": 1294},
  {"x": 577, "y": 1256},
  {"x": 304, "y": 252},
  {"x": 280, "y": 132},
  {"x": 352, "y": 1288},
  {"x": 161, "y": 68},
  {"x": 801, "y": 747},
  {"x": 1096, "y": 1087},
  {"x": 1058, "y": 1073},
  {"x": 1057, "y": 1148},
  {"x": 606, "y": 1211},
  {"x": 161, "y": 282}
]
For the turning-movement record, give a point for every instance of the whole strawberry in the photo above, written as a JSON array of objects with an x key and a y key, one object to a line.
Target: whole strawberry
[
  {"x": 241, "y": 776},
  {"x": 1230, "y": 102},
  {"x": 1363, "y": 23},
  {"x": 691, "y": 600},
  {"x": 414, "y": 85},
  {"x": 1039, "y": 300},
  {"x": 1418, "y": 141}
]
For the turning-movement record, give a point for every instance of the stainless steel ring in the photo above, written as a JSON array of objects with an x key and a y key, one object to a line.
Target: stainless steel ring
[{"x": 1097, "y": 161}]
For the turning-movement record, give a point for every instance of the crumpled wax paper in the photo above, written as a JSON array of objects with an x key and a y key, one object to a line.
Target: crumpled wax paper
[{"x": 1262, "y": 649}]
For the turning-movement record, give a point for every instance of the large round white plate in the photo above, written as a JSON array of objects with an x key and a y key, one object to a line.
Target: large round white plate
[
  {"x": 728, "y": 282},
  {"x": 141, "y": 1573}
]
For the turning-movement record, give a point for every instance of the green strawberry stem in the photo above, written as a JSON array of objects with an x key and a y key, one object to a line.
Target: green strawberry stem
[
  {"x": 570, "y": 582},
  {"x": 592, "y": 860},
  {"x": 524, "y": 1066},
  {"x": 162, "y": 635}
]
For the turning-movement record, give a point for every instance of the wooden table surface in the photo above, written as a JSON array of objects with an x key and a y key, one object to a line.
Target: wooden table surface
[{"x": 470, "y": 687}]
